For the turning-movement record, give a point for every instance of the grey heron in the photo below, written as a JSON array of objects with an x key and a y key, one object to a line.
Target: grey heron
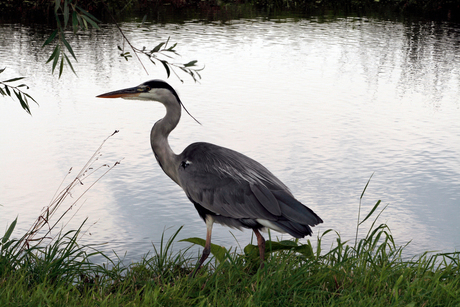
[{"x": 225, "y": 186}]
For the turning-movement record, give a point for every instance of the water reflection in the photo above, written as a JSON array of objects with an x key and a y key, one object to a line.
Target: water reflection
[
  {"x": 321, "y": 104},
  {"x": 429, "y": 59}
]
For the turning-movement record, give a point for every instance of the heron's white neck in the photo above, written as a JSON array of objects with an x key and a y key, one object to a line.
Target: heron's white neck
[{"x": 159, "y": 139}]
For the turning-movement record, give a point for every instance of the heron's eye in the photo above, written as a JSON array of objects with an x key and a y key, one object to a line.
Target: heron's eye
[
  {"x": 184, "y": 164},
  {"x": 143, "y": 89}
]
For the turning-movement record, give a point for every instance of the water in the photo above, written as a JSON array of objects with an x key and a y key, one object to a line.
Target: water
[{"x": 323, "y": 105}]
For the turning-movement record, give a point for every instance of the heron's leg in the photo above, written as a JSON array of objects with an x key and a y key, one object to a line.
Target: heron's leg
[
  {"x": 261, "y": 243},
  {"x": 207, "y": 245}
]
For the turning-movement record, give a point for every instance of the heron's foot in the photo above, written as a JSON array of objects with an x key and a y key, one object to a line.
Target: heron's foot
[
  {"x": 193, "y": 273},
  {"x": 261, "y": 244},
  {"x": 204, "y": 256}
]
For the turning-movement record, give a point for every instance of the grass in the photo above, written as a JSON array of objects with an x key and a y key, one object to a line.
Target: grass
[
  {"x": 370, "y": 273},
  {"x": 38, "y": 271}
]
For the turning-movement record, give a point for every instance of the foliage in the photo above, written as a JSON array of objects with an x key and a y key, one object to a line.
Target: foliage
[
  {"x": 6, "y": 89},
  {"x": 68, "y": 10},
  {"x": 371, "y": 272},
  {"x": 68, "y": 14},
  {"x": 64, "y": 12},
  {"x": 162, "y": 53},
  {"x": 61, "y": 257},
  {"x": 219, "y": 252},
  {"x": 443, "y": 9}
]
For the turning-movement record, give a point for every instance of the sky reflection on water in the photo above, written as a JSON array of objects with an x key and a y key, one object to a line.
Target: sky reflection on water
[{"x": 322, "y": 105}]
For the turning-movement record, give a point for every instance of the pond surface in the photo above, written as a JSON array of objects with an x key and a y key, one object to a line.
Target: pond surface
[{"x": 322, "y": 104}]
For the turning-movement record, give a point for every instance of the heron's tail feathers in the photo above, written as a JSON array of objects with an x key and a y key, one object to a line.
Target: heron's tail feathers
[{"x": 296, "y": 218}]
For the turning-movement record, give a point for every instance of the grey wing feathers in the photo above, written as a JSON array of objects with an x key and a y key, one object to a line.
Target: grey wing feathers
[
  {"x": 229, "y": 184},
  {"x": 295, "y": 210},
  {"x": 266, "y": 197}
]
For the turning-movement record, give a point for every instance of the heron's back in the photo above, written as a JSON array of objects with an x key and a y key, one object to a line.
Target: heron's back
[{"x": 240, "y": 192}]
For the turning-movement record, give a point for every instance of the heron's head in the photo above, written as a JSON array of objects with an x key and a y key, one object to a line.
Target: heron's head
[{"x": 157, "y": 90}]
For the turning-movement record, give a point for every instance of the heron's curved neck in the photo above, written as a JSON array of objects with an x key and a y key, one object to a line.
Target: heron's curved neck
[{"x": 159, "y": 139}]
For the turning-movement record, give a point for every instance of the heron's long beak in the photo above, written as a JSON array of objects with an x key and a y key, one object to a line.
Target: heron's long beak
[{"x": 124, "y": 93}]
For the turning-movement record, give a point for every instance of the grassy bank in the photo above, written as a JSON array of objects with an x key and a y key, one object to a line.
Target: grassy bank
[{"x": 369, "y": 273}]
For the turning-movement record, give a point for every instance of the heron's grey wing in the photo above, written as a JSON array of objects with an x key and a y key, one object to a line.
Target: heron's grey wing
[{"x": 230, "y": 184}]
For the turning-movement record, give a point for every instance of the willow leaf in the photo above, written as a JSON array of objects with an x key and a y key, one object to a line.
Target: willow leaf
[
  {"x": 157, "y": 47},
  {"x": 88, "y": 14},
  {"x": 93, "y": 24},
  {"x": 74, "y": 22},
  {"x": 191, "y": 63},
  {"x": 66, "y": 13},
  {"x": 14, "y": 79},
  {"x": 165, "y": 64},
  {"x": 70, "y": 64},
  {"x": 56, "y": 59},
  {"x": 67, "y": 45},
  {"x": 61, "y": 66},
  {"x": 27, "y": 95},
  {"x": 57, "y": 5},
  {"x": 50, "y": 38},
  {"x": 54, "y": 54}
]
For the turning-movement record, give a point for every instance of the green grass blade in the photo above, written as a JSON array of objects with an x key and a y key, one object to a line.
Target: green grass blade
[
  {"x": 9, "y": 231},
  {"x": 371, "y": 212},
  {"x": 365, "y": 187}
]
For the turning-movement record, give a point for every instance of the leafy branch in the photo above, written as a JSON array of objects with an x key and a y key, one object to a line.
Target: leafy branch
[
  {"x": 161, "y": 53},
  {"x": 68, "y": 12},
  {"x": 9, "y": 90},
  {"x": 64, "y": 11}
]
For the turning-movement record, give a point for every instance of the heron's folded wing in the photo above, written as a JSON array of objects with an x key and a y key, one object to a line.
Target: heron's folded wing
[
  {"x": 229, "y": 183},
  {"x": 227, "y": 197}
]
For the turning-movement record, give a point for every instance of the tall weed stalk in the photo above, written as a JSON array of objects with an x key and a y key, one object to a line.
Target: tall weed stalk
[{"x": 61, "y": 257}]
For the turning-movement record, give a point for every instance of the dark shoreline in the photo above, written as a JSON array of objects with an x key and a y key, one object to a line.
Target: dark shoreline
[{"x": 39, "y": 11}]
